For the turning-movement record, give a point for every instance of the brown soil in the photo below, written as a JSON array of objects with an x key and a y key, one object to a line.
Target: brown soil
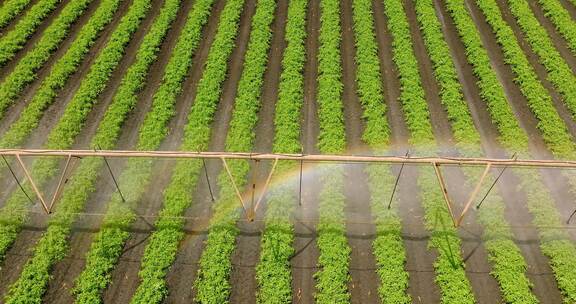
[
  {"x": 419, "y": 259},
  {"x": 528, "y": 121},
  {"x": 559, "y": 42},
  {"x": 475, "y": 256},
  {"x": 53, "y": 113},
  {"x": 14, "y": 111},
  {"x": 33, "y": 38},
  {"x": 247, "y": 252},
  {"x": 516, "y": 212},
  {"x": 570, "y": 7},
  {"x": 539, "y": 68},
  {"x": 363, "y": 286},
  {"x": 305, "y": 249},
  {"x": 81, "y": 239},
  {"x": 17, "y": 18},
  {"x": 37, "y": 222},
  {"x": 193, "y": 244}
]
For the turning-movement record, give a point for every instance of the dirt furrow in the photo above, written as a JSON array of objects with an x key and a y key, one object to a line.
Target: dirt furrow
[
  {"x": 359, "y": 227},
  {"x": 34, "y": 227},
  {"x": 181, "y": 276},
  {"x": 304, "y": 261},
  {"x": 32, "y": 39},
  {"x": 475, "y": 256},
  {"x": 53, "y": 113},
  {"x": 559, "y": 42},
  {"x": 525, "y": 117},
  {"x": 541, "y": 71},
  {"x": 13, "y": 112},
  {"x": 16, "y": 19},
  {"x": 420, "y": 260},
  {"x": 67, "y": 270},
  {"x": 516, "y": 211},
  {"x": 247, "y": 252},
  {"x": 570, "y": 7}
]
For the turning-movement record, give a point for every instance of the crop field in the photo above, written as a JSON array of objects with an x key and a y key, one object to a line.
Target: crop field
[{"x": 422, "y": 78}]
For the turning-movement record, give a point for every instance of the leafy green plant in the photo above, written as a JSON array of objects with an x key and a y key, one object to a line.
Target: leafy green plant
[
  {"x": 62, "y": 136},
  {"x": 25, "y": 71},
  {"x": 559, "y": 73},
  {"x": 562, "y": 21},
  {"x": 554, "y": 242},
  {"x": 449, "y": 265},
  {"x": 177, "y": 198},
  {"x": 554, "y": 131},
  {"x": 53, "y": 245},
  {"x": 388, "y": 246},
  {"x": 273, "y": 272},
  {"x": 332, "y": 276},
  {"x": 212, "y": 283},
  {"x": 509, "y": 266},
  {"x": 10, "y": 9},
  {"x": 108, "y": 243},
  {"x": 55, "y": 81},
  {"x": 14, "y": 40}
]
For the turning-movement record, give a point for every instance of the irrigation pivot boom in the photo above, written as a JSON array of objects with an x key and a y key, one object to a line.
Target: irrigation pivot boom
[{"x": 436, "y": 162}]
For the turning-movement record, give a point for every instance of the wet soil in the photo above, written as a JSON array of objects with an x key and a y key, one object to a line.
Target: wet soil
[
  {"x": 247, "y": 252},
  {"x": 363, "y": 286},
  {"x": 304, "y": 261},
  {"x": 516, "y": 211},
  {"x": 32, "y": 39},
  {"x": 475, "y": 256}
]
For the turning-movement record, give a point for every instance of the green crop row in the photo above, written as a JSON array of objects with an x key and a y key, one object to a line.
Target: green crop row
[
  {"x": 388, "y": 246},
  {"x": 273, "y": 272},
  {"x": 508, "y": 263},
  {"x": 215, "y": 265},
  {"x": 53, "y": 245},
  {"x": 10, "y": 9},
  {"x": 554, "y": 131},
  {"x": 240, "y": 137},
  {"x": 14, "y": 40},
  {"x": 108, "y": 243},
  {"x": 449, "y": 265},
  {"x": 559, "y": 73},
  {"x": 14, "y": 213},
  {"x": 512, "y": 137},
  {"x": 333, "y": 275},
  {"x": 554, "y": 242},
  {"x": 59, "y": 74},
  {"x": 562, "y": 21},
  {"x": 25, "y": 71}
]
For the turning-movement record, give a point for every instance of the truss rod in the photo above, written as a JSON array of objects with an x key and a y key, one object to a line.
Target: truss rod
[{"x": 461, "y": 161}]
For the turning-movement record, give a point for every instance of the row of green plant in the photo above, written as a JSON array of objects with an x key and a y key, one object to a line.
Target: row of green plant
[
  {"x": 554, "y": 131},
  {"x": 215, "y": 265},
  {"x": 25, "y": 72},
  {"x": 388, "y": 246},
  {"x": 555, "y": 243},
  {"x": 62, "y": 136},
  {"x": 53, "y": 246},
  {"x": 509, "y": 266},
  {"x": 15, "y": 39},
  {"x": 559, "y": 73},
  {"x": 108, "y": 243},
  {"x": 10, "y": 9},
  {"x": 562, "y": 21},
  {"x": 240, "y": 138},
  {"x": 332, "y": 276},
  {"x": 55, "y": 81},
  {"x": 449, "y": 265},
  {"x": 274, "y": 272}
]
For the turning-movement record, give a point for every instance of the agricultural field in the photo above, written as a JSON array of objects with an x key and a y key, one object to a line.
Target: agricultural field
[{"x": 422, "y": 78}]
